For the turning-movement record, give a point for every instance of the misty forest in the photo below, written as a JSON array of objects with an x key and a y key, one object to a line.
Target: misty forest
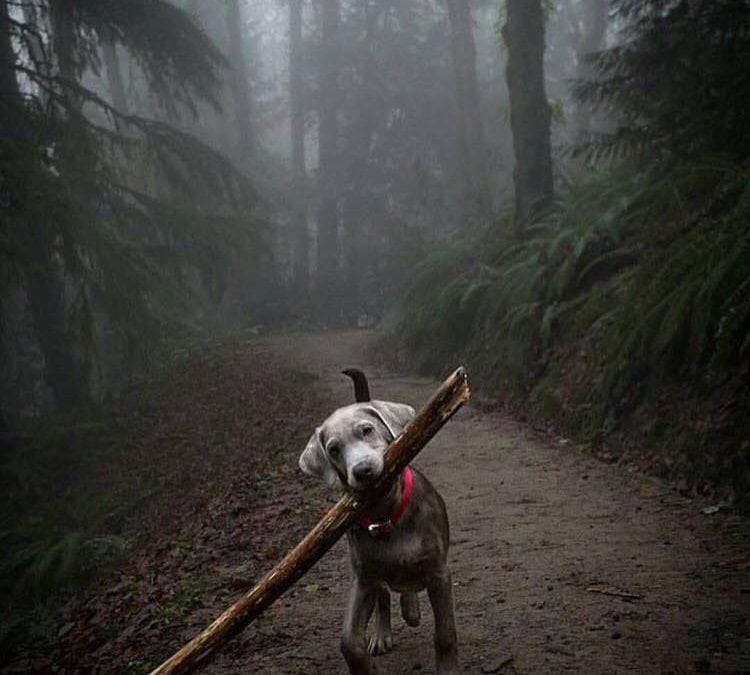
[{"x": 210, "y": 208}]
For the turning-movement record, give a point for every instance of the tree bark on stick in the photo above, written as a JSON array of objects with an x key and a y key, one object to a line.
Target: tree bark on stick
[{"x": 446, "y": 400}]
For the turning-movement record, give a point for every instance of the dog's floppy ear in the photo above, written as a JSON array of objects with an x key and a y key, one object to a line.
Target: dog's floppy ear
[
  {"x": 395, "y": 416},
  {"x": 313, "y": 461}
]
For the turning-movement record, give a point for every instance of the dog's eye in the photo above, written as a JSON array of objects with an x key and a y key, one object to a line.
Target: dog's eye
[
  {"x": 334, "y": 449},
  {"x": 366, "y": 431}
]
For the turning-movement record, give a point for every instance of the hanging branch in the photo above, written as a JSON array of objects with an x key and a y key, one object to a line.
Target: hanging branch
[{"x": 446, "y": 400}]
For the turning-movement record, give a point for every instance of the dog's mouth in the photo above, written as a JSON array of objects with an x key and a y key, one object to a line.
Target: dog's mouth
[
  {"x": 362, "y": 476},
  {"x": 361, "y": 485}
]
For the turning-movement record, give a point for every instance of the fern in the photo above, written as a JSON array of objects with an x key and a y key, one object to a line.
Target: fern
[
  {"x": 671, "y": 249},
  {"x": 56, "y": 562},
  {"x": 689, "y": 303}
]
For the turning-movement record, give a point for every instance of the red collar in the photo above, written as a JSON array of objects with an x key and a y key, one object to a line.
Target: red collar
[{"x": 379, "y": 528}]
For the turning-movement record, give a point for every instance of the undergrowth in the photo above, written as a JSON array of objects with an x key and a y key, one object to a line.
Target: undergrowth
[
  {"x": 637, "y": 284},
  {"x": 68, "y": 491}
]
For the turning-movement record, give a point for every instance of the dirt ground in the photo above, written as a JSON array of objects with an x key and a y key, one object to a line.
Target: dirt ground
[
  {"x": 560, "y": 562},
  {"x": 535, "y": 528}
]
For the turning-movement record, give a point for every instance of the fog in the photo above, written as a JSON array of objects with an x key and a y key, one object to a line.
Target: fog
[
  {"x": 210, "y": 207},
  {"x": 361, "y": 136}
]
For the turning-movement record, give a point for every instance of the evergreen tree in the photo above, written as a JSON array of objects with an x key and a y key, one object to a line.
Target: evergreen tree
[
  {"x": 529, "y": 110},
  {"x": 301, "y": 242},
  {"x": 329, "y": 100},
  {"x": 677, "y": 82},
  {"x": 102, "y": 213},
  {"x": 470, "y": 130}
]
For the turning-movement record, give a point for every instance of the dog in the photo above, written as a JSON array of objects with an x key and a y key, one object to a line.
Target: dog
[{"x": 400, "y": 545}]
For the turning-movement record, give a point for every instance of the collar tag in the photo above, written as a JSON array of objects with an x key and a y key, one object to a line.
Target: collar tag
[{"x": 379, "y": 529}]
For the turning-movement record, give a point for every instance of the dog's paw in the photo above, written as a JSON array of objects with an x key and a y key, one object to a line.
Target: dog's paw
[{"x": 380, "y": 644}]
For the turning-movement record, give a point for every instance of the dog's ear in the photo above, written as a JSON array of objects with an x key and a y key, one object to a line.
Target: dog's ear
[
  {"x": 395, "y": 416},
  {"x": 313, "y": 461}
]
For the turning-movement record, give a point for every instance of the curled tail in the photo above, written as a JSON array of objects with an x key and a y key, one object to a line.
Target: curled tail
[{"x": 361, "y": 387}]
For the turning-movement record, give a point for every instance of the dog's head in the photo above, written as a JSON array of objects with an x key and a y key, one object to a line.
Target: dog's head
[{"x": 347, "y": 449}]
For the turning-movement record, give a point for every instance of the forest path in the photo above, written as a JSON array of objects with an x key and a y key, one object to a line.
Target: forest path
[{"x": 534, "y": 528}]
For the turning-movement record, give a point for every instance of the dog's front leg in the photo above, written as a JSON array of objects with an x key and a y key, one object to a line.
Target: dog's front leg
[
  {"x": 354, "y": 638},
  {"x": 440, "y": 592},
  {"x": 381, "y": 641}
]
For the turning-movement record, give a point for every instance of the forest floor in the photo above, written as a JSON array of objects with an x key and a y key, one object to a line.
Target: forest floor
[{"x": 561, "y": 562}]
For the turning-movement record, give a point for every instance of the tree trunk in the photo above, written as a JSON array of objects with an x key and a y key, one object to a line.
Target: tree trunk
[
  {"x": 595, "y": 14},
  {"x": 10, "y": 113},
  {"x": 11, "y": 117},
  {"x": 64, "y": 46},
  {"x": 301, "y": 243},
  {"x": 31, "y": 15},
  {"x": 529, "y": 110},
  {"x": 114, "y": 77},
  {"x": 8, "y": 83},
  {"x": 239, "y": 82},
  {"x": 470, "y": 130},
  {"x": 355, "y": 209},
  {"x": 66, "y": 371},
  {"x": 329, "y": 291}
]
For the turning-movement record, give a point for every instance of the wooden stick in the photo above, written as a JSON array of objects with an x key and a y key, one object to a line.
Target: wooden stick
[
  {"x": 446, "y": 400},
  {"x": 614, "y": 592}
]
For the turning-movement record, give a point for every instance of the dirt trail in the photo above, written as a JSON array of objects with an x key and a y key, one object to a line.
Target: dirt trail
[{"x": 534, "y": 527}]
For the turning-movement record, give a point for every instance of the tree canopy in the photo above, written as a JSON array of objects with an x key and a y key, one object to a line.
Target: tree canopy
[
  {"x": 677, "y": 81},
  {"x": 112, "y": 210}
]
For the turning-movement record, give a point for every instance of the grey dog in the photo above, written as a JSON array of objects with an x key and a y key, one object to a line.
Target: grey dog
[{"x": 401, "y": 544}]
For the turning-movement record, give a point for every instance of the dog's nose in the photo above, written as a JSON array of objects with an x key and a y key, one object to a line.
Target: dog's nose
[{"x": 363, "y": 471}]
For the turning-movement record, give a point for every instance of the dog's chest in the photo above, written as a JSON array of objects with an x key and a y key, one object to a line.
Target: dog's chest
[{"x": 404, "y": 561}]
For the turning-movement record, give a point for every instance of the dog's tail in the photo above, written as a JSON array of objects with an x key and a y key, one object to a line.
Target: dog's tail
[{"x": 361, "y": 387}]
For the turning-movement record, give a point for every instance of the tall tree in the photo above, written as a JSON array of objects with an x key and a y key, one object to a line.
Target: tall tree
[
  {"x": 641, "y": 83},
  {"x": 9, "y": 92},
  {"x": 301, "y": 243},
  {"x": 48, "y": 288},
  {"x": 523, "y": 33},
  {"x": 470, "y": 130},
  {"x": 594, "y": 14},
  {"x": 11, "y": 116},
  {"x": 363, "y": 107},
  {"x": 328, "y": 282},
  {"x": 81, "y": 230},
  {"x": 239, "y": 79}
]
